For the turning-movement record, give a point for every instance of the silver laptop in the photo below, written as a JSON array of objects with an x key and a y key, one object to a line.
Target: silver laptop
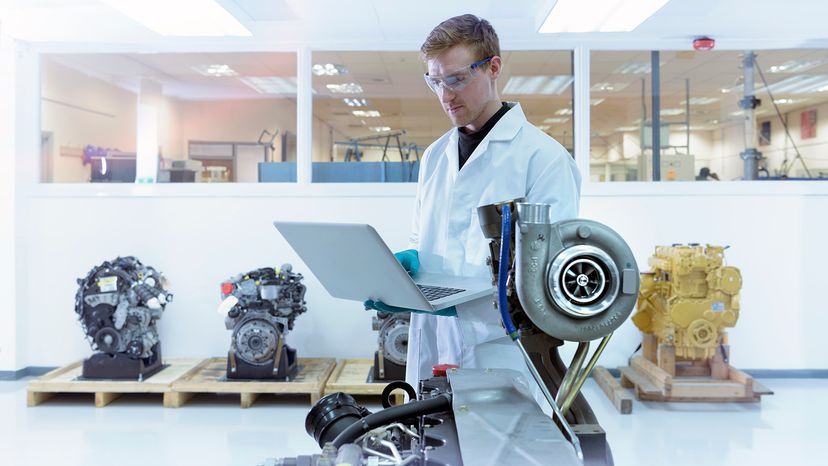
[{"x": 352, "y": 262}]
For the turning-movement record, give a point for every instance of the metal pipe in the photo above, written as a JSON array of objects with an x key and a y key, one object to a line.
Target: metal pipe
[
  {"x": 656, "y": 85},
  {"x": 570, "y": 397},
  {"x": 572, "y": 372},
  {"x": 555, "y": 409}
]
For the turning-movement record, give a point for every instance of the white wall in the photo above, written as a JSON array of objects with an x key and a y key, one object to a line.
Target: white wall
[
  {"x": 776, "y": 240},
  {"x": 8, "y": 312}
]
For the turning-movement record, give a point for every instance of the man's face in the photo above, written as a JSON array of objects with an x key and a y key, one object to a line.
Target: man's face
[{"x": 465, "y": 106}]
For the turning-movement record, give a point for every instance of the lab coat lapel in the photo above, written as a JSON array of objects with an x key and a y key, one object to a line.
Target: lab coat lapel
[
  {"x": 453, "y": 154},
  {"x": 505, "y": 130}
]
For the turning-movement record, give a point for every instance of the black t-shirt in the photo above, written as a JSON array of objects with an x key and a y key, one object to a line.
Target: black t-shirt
[{"x": 469, "y": 142}]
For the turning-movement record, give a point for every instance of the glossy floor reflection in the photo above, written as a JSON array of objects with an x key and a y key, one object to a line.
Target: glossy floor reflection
[{"x": 785, "y": 428}]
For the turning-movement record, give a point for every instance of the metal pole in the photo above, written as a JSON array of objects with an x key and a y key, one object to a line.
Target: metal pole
[
  {"x": 751, "y": 156},
  {"x": 656, "y": 85}
]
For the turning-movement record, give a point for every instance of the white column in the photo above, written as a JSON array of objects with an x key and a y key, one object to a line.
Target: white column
[
  {"x": 304, "y": 116},
  {"x": 7, "y": 208},
  {"x": 580, "y": 65},
  {"x": 146, "y": 146}
]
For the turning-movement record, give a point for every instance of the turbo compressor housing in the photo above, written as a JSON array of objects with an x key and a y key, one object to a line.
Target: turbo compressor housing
[
  {"x": 261, "y": 306},
  {"x": 118, "y": 304},
  {"x": 688, "y": 298}
]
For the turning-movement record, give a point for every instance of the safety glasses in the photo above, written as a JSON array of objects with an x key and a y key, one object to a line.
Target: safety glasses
[{"x": 455, "y": 80}]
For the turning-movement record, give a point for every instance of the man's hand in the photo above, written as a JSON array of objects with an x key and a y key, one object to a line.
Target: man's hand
[
  {"x": 382, "y": 307},
  {"x": 409, "y": 259}
]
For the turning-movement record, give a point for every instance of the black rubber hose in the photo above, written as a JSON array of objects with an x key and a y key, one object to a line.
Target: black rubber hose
[{"x": 437, "y": 404}]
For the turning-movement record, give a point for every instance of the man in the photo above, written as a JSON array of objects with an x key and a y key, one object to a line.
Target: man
[{"x": 492, "y": 154}]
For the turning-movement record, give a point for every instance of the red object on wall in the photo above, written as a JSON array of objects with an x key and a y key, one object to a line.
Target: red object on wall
[
  {"x": 808, "y": 124},
  {"x": 704, "y": 43},
  {"x": 227, "y": 288}
]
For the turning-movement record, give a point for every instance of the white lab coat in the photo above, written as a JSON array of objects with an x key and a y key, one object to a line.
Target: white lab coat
[{"x": 515, "y": 160}]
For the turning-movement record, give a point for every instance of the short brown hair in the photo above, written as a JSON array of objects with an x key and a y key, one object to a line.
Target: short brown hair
[{"x": 469, "y": 30}]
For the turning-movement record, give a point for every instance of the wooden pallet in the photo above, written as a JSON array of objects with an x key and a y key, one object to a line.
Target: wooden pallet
[
  {"x": 618, "y": 395},
  {"x": 66, "y": 380},
  {"x": 351, "y": 376},
  {"x": 657, "y": 375},
  {"x": 210, "y": 377}
]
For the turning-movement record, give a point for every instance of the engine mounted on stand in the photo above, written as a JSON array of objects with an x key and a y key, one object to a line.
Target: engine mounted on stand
[
  {"x": 389, "y": 359},
  {"x": 261, "y": 307},
  {"x": 573, "y": 280},
  {"x": 118, "y": 303}
]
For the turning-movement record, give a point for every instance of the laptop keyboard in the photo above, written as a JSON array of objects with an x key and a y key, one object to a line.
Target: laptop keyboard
[{"x": 433, "y": 293}]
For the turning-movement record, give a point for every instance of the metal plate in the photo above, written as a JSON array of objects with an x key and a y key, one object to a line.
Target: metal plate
[{"x": 499, "y": 422}]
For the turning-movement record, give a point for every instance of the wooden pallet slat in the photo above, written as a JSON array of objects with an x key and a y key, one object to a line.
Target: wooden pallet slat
[
  {"x": 351, "y": 376},
  {"x": 67, "y": 379},
  {"x": 210, "y": 377},
  {"x": 618, "y": 395}
]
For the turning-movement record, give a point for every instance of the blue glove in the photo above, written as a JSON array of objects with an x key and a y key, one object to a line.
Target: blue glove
[
  {"x": 382, "y": 307},
  {"x": 409, "y": 259}
]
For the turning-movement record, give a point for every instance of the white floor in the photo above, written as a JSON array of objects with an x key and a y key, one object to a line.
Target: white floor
[{"x": 786, "y": 428}]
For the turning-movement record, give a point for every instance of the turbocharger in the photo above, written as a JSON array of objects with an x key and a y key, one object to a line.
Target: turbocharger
[{"x": 577, "y": 280}]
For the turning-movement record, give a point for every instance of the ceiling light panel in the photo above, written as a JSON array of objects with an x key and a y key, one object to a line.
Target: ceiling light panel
[
  {"x": 599, "y": 15},
  {"x": 355, "y": 102},
  {"x": 329, "y": 69},
  {"x": 671, "y": 111},
  {"x": 608, "y": 87},
  {"x": 545, "y": 85},
  {"x": 347, "y": 88},
  {"x": 564, "y": 111},
  {"x": 802, "y": 84},
  {"x": 379, "y": 129},
  {"x": 701, "y": 100},
  {"x": 556, "y": 120},
  {"x": 192, "y": 18},
  {"x": 271, "y": 85},
  {"x": 366, "y": 113},
  {"x": 634, "y": 67},
  {"x": 215, "y": 70},
  {"x": 797, "y": 66}
]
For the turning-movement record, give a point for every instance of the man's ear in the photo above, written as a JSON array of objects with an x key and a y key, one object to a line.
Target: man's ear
[{"x": 495, "y": 66}]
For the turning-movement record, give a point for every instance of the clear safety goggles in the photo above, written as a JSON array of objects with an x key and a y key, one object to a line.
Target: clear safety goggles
[{"x": 455, "y": 80}]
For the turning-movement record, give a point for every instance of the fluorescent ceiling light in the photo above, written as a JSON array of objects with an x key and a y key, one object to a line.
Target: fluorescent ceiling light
[
  {"x": 701, "y": 100},
  {"x": 347, "y": 88},
  {"x": 608, "y": 87},
  {"x": 634, "y": 67},
  {"x": 366, "y": 113},
  {"x": 182, "y": 17},
  {"x": 546, "y": 85},
  {"x": 725, "y": 90},
  {"x": 599, "y": 15},
  {"x": 329, "y": 69},
  {"x": 626, "y": 129},
  {"x": 380, "y": 129},
  {"x": 544, "y": 127},
  {"x": 801, "y": 84},
  {"x": 786, "y": 101},
  {"x": 355, "y": 102},
  {"x": 595, "y": 102},
  {"x": 671, "y": 111},
  {"x": 215, "y": 70},
  {"x": 556, "y": 120},
  {"x": 564, "y": 111},
  {"x": 271, "y": 85},
  {"x": 796, "y": 66}
]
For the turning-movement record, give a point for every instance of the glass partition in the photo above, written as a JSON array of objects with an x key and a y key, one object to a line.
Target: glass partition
[
  {"x": 156, "y": 118},
  {"x": 702, "y": 127}
]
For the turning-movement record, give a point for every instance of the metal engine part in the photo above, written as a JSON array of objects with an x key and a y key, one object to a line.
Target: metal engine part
[
  {"x": 689, "y": 298},
  {"x": 576, "y": 280},
  {"x": 261, "y": 307},
  {"x": 118, "y": 303},
  {"x": 393, "y": 335}
]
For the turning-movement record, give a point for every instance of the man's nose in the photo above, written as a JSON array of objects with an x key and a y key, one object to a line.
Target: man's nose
[{"x": 445, "y": 94}]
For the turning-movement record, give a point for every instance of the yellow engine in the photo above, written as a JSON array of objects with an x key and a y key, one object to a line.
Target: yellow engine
[{"x": 688, "y": 299}]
